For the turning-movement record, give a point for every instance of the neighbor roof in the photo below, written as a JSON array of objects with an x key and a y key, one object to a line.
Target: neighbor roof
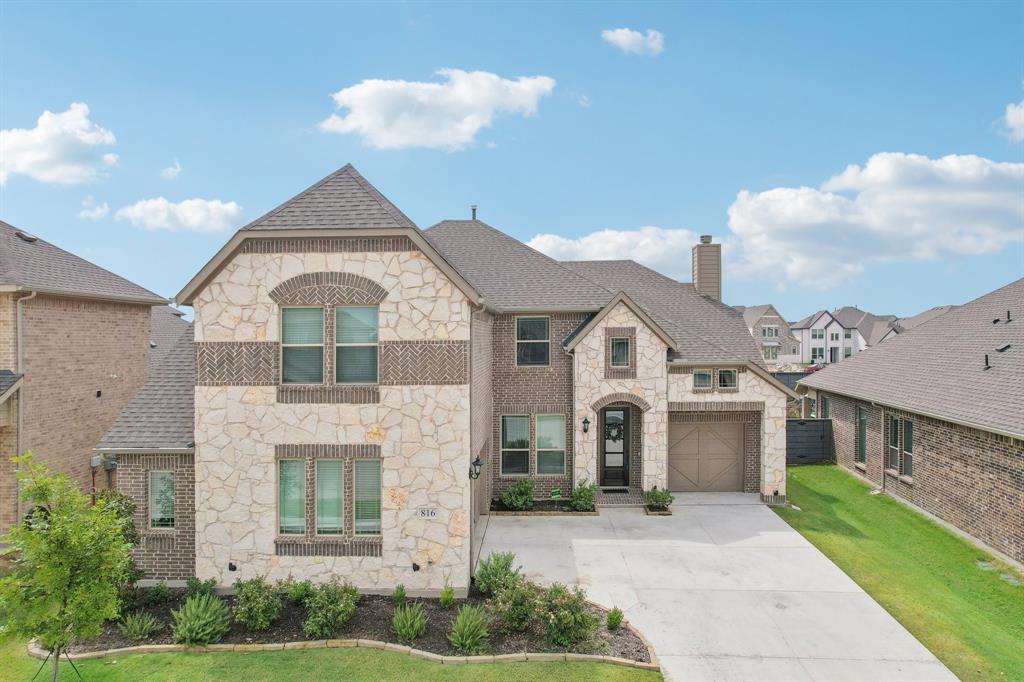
[
  {"x": 161, "y": 415},
  {"x": 937, "y": 368},
  {"x": 8, "y": 382},
  {"x": 751, "y": 314},
  {"x": 33, "y": 264}
]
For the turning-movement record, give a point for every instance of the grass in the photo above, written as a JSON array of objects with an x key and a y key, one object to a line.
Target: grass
[
  {"x": 343, "y": 664},
  {"x": 969, "y": 615}
]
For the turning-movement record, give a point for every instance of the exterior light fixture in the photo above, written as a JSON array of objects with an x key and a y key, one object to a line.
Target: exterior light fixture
[
  {"x": 475, "y": 467},
  {"x": 586, "y": 425}
]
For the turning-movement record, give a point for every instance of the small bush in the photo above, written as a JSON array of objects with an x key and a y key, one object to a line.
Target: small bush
[
  {"x": 447, "y": 596},
  {"x": 195, "y": 586},
  {"x": 257, "y": 604},
  {"x": 516, "y": 605},
  {"x": 409, "y": 622},
  {"x": 565, "y": 612},
  {"x": 202, "y": 619},
  {"x": 614, "y": 619},
  {"x": 299, "y": 592},
  {"x": 519, "y": 495},
  {"x": 328, "y": 608},
  {"x": 124, "y": 506},
  {"x": 157, "y": 595},
  {"x": 469, "y": 634},
  {"x": 659, "y": 499},
  {"x": 399, "y": 597},
  {"x": 138, "y": 626},
  {"x": 582, "y": 497},
  {"x": 496, "y": 572}
]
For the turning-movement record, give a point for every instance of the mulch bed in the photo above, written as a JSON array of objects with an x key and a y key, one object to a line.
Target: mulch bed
[
  {"x": 372, "y": 620},
  {"x": 559, "y": 506}
]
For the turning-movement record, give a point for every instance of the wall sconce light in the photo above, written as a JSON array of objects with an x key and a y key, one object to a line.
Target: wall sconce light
[
  {"x": 586, "y": 425},
  {"x": 474, "y": 469}
]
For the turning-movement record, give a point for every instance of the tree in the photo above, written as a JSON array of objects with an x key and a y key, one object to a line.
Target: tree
[{"x": 69, "y": 559}]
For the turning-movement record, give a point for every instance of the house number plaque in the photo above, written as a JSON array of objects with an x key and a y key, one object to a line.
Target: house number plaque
[{"x": 426, "y": 513}]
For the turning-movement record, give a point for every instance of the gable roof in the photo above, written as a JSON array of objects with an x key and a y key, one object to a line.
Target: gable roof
[
  {"x": 577, "y": 335},
  {"x": 937, "y": 368},
  {"x": 28, "y": 263},
  {"x": 809, "y": 321},
  {"x": 751, "y": 314}
]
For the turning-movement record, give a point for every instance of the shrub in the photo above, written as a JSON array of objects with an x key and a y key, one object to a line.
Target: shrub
[
  {"x": 202, "y": 619},
  {"x": 194, "y": 586},
  {"x": 495, "y": 572},
  {"x": 519, "y": 495},
  {"x": 299, "y": 592},
  {"x": 138, "y": 626},
  {"x": 469, "y": 634},
  {"x": 614, "y": 619},
  {"x": 123, "y": 506},
  {"x": 328, "y": 608},
  {"x": 157, "y": 595},
  {"x": 565, "y": 612},
  {"x": 399, "y": 597},
  {"x": 409, "y": 622},
  {"x": 257, "y": 604},
  {"x": 516, "y": 605},
  {"x": 582, "y": 497},
  {"x": 447, "y": 596},
  {"x": 659, "y": 499}
]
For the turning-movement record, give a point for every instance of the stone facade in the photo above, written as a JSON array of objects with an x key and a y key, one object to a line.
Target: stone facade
[{"x": 969, "y": 478}]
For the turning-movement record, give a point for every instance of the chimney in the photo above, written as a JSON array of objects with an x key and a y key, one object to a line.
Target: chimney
[{"x": 707, "y": 268}]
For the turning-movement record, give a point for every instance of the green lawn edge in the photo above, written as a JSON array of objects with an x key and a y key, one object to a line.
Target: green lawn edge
[{"x": 927, "y": 577}]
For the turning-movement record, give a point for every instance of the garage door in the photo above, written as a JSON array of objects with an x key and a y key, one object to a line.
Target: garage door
[{"x": 705, "y": 457}]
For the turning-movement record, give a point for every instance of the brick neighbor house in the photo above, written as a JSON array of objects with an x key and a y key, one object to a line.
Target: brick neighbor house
[
  {"x": 772, "y": 333},
  {"x": 935, "y": 416},
  {"x": 74, "y": 348},
  {"x": 350, "y": 370}
]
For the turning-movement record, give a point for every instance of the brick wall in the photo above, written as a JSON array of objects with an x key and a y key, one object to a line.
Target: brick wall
[
  {"x": 969, "y": 478},
  {"x": 163, "y": 553},
  {"x": 481, "y": 418},
  {"x": 8, "y": 481},
  {"x": 532, "y": 391}
]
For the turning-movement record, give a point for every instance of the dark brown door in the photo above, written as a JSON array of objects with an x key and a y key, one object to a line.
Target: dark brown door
[{"x": 615, "y": 447}]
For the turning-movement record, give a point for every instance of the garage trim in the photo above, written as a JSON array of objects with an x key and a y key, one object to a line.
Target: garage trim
[{"x": 719, "y": 412}]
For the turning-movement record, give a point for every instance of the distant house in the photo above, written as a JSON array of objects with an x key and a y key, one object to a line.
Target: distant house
[
  {"x": 772, "y": 333},
  {"x": 946, "y": 436},
  {"x": 828, "y": 337},
  {"x": 907, "y": 323}
]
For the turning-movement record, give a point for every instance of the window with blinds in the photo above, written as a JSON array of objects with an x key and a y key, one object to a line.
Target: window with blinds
[
  {"x": 161, "y": 499},
  {"x": 367, "y": 496},
  {"x": 330, "y": 496},
  {"x": 551, "y": 444},
  {"x": 356, "y": 345},
  {"x": 515, "y": 445},
  {"x": 302, "y": 345},
  {"x": 862, "y": 434},
  {"x": 907, "y": 468},
  {"x": 291, "y": 496}
]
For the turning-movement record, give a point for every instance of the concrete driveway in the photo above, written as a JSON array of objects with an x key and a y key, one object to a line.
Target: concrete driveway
[{"x": 724, "y": 590}]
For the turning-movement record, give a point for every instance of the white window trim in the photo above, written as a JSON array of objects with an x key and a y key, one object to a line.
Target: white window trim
[
  {"x": 711, "y": 379},
  {"x": 539, "y": 449},
  {"x": 316, "y": 497},
  {"x": 817, "y": 333},
  {"x": 515, "y": 337},
  {"x": 771, "y": 350},
  {"x": 612, "y": 351},
  {"x": 376, "y": 346},
  {"x": 174, "y": 520},
  {"x": 502, "y": 449},
  {"x": 322, "y": 345},
  {"x": 774, "y": 329}
]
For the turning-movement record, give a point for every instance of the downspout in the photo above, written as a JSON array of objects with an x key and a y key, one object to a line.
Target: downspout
[{"x": 21, "y": 391}]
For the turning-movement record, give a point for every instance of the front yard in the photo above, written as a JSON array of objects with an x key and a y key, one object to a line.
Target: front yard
[{"x": 957, "y": 600}]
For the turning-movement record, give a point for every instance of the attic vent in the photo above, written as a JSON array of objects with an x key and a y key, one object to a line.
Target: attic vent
[
  {"x": 26, "y": 237},
  {"x": 987, "y": 366},
  {"x": 152, "y": 344},
  {"x": 1003, "y": 349}
]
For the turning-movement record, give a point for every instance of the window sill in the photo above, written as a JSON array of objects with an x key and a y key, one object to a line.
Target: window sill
[
  {"x": 861, "y": 466},
  {"x": 892, "y": 473},
  {"x": 909, "y": 480},
  {"x": 350, "y": 545},
  {"x": 353, "y": 394}
]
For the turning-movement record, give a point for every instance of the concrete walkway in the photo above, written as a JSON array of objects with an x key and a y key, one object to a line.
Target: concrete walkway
[{"x": 724, "y": 590}]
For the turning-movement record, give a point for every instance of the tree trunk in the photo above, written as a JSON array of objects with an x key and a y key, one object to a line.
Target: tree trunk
[{"x": 56, "y": 663}]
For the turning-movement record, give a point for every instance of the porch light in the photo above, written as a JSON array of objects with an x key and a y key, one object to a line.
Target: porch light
[
  {"x": 586, "y": 425},
  {"x": 475, "y": 467}
]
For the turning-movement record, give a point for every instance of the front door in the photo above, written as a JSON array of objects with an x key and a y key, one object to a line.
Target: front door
[
  {"x": 614, "y": 448},
  {"x": 833, "y": 354}
]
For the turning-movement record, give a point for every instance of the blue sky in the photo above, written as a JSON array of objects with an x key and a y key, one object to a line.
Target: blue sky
[{"x": 736, "y": 120}]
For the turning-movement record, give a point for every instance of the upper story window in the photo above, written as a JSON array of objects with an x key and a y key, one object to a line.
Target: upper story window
[
  {"x": 702, "y": 378},
  {"x": 727, "y": 378},
  {"x": 817, "y": 333},
  {"x": 834, "y": 336},
  {"x": 620, "y": 352},
  {"x": 847, "y": 333},
  {"x": 533, "y": 341},
  {"x": 355, "y": 345},
  {"x": 302, "y": 345},
  {"x": 771, "y": 332},
  {"x": 771, "y": 352},
  {"x": 161, "y": 499}
]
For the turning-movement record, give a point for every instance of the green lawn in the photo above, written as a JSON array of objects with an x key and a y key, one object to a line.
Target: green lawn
[
  {"x": 340, "y": 664},
  {"x": 970, "y": 616}
]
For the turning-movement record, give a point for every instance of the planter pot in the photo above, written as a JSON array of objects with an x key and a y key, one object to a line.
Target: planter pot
[{"x": 656, "y": 511}]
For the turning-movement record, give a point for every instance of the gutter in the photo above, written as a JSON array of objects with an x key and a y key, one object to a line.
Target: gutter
[
  {"x": 21, "y": 391},
  {"x": 144, "y": 451},
  {"x": 65, "y": 293}
]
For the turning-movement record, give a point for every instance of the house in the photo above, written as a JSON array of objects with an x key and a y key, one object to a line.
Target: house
[
  {"x": 772, "y": 333},
  {"x": 947, "y": 437},
  {"x": 74, "y": 346},
  {"x": 828, "y": 337},
  {"x": 907, "y": 323},
  {"x": 364, "y": 388}
]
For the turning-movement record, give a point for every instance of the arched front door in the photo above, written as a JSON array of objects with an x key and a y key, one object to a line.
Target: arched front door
[{"x": 614, "y": 459}]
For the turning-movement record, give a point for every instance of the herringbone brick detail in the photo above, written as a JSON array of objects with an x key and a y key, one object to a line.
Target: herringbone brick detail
[
  {"x": 237, "y": 363},
  {"x": 327, "y": 245},
  {"x": 424, "y": 362},
  {"x": 328, "y": 289}
]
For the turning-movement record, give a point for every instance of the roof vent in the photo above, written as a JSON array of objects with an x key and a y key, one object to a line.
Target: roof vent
[
  {"x": 987, "y": 366},
  {"x": 1008, "y": 316},
  {"x": 473, "y": 211},
  {"x": 152, "y": 344},
  {"x": 705, "y": 239},
  {"x": 26, "y": 237},
  {"x": 1003, "y": 349}
]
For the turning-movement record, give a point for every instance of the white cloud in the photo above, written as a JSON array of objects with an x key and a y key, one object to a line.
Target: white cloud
[
  {"x": 635, "y": 42},
  {"x": 665, "y": 250},
  {"x": 64, "y": 148},
  {"x": 584, "y": 101},
  {"x": 171, "y": 172},
  {"x": 193, "y": 215},
  {"x": 1014, "y": 120},
  {"x": 396, "y": 114},
  {"x": 93, "y": 211}
]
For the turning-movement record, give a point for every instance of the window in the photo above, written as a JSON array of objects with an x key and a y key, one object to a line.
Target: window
[
  {"x": 770, "y": 332},
  {"x": 367, "y": 496},
  {"x": 834, "y": 336},
  {"x": 161, "y": 499},
  {"x": 771, "y": 352},
  {"x": 826, "y": 408},
  {"x": 817, "y": 333},
  {"x": 302, "y": 345},
  {"x": 817, "y": 353},
  {"x": 291, "y": 496},
  {"x": 702, "y": 378},
  {"x": 532, "y": 341},
  {"x": 620, "y": 352},
  {"x": 355, "y": 345},
  {"x": 551, "y": 444},
  {"x": 847, "y": 333},
  {"x": 515, "y": 445},
  {"x": 908, "y": 448},
  {"x": 727, "y": 378},
  {"x": 847, "y": 352},
  {"x": 862, "y": 434},
  {"x": 330, "y": 496},
  {"x": 894, "y": 443}
]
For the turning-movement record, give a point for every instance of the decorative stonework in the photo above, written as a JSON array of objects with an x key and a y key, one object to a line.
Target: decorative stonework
[
  {"x": 327, "y": 245},
  {"x": 629, "y": 371},
  {"x": 424, "y": 362},
  {"x": 243, "y": 363},
  {"x": 327, "y": 450},
  {"x": 333, "y": 394},
  {"x": 328, "y": 548},
  {"x": 612, "y": 398},
  {"x": 328, "y": 289},
  {"x": 707, "y": 406}
]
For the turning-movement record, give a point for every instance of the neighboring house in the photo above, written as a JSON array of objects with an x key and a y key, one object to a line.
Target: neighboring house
[
  {"x": 74, "y": 346},
  {"x": 904, "y": 324},
  {"x": 828, "y": 337},
  {"x": 946, "y": 436},
  {"x": 364, "y": 388},
  {"x": 778, "y": 344}
]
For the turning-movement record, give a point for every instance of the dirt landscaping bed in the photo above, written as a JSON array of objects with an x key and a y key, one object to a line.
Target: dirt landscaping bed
[{"x": 540, "y": 508}]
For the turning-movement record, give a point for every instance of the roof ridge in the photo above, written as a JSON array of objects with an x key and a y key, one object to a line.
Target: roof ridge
[
  {"x": 384, "y": 202},
  {"x": 277, "y": 209}
]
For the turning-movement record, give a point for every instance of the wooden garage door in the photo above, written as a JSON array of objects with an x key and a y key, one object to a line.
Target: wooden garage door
[{"x": 705, "y": 457}]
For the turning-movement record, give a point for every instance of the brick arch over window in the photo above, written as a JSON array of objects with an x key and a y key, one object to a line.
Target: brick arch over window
[
  {"x": 620, "y": 398},
  {"x": 328, "y": 289}
]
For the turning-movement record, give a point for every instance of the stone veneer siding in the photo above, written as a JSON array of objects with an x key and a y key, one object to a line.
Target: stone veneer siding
[
  {"x": 163, "y": 553},
  {"x": 970, "y": 478}
]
